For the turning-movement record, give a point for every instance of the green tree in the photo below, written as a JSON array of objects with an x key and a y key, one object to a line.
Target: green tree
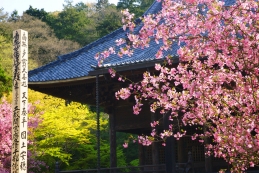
[
  {"x": 82, "y": 23},
  {"x": 38, "y": 13},
  {"x": 44, "y": 46},
  {"x": 5, "y": 56},
  {"x": 5, "y": 82},
  {"x": 71, "y": 24},
  {"x": 102, "y": 4},
  {"x": 3, "y": 15},
  {"x": 14, "y": 16},
  {"x": 67, "y": 134},
  {"x": 81, "y": 6},
  {"x": 110, "y": 20},
  {"x": 138, "y": 7}
]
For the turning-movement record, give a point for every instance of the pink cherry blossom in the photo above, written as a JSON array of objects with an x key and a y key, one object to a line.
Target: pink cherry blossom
[
  {"x": 216, "y": 82},
  {"x": 125, "y": 145},
  {"x": 112, "y": 72},
  {"x": 124, "y": 93},
  {"x": 6, "y": 136}
]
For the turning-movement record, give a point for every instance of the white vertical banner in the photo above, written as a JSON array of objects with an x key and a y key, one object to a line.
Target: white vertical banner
[{"x": 20, "y": 102}]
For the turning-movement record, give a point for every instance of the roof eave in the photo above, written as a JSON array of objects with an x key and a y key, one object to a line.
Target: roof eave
[
  {"x": 133, "y": 66},
  {"x": 62, "y": 81}
]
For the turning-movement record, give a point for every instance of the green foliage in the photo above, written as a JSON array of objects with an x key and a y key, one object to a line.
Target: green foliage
[
  {"x": 68, "y": 4},
  {"x": 82, "y": 23},
  {"x": 84, "y": 157},
  {"x": 102, "y": 4},
  {"x": 3, "y": 15},
  {"x": 134, "y": 162},
  {"x": 38, "y": 13},
  {"x": 14, "y": 16},
  {"x": 109, "y": 22},
  {"x": 63, "y": 128},
  {"x": 138, "y": 7},
  {"x": 68, "y": 134},
  {"x": 6, "y": 32},
  {"x": 44, "y": 47},
  {"x": 131, "y": 153},
  {"x": 81, "y": 6},
  {"x": 5, "y": 82},
  {"x": 5, "y": 55},
  {"x": 69, "y": 22}
]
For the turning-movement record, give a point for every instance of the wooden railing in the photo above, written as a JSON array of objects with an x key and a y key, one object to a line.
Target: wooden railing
[
  {"x": 128, "y": 169},
  {"x": 180, "y": 168}
]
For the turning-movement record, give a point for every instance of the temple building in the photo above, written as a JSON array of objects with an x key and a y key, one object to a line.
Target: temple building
[{"x": 77, "y": 77}]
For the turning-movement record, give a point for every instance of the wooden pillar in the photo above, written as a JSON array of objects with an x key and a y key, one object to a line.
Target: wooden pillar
[
  {"x": 208, "y": 159},
  {"x": 155, "y": 154},
  {"x": 56, "y": 167},
  {"x": 208, "y": 164},
  {"x": 112, "y": 132},
  {"x": 181, "y": 146},
  {"x": 170, "y": 160},
  {"x": 141, "y": 155},
  {"x": 98, "y": 125}
]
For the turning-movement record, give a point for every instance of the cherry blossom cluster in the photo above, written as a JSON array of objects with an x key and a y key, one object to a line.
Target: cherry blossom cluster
[
  {"x": 145, "y": 140},
  {"x": 5, "y": 130},
  {"x": 6, "y": 137},
  {"x": 216, "y": 82}
]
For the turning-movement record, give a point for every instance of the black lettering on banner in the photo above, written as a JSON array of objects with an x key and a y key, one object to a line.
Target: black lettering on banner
[
  {"x": 16, "y": 86},
  {"x": 16, "y": 137},
  {"x": 16, "y": 128},
  {"x": 15, "y": 163},
  {"x": 16, "y": 112},
  {"x": 16, "y": 46},
  {"x": 23, "y": 121},
  {"x": 16, "y": 55},
  {"x": 23, "y": 154},
  {"x": 15, "y": 152},
  {"x": 24, "y": 76},
  {"x": 24, "y": 112},
  {"x": 24, "y": 53},
  {"x": 16, "y": 98},
  {"x": 24, "y": 102},
  {"x": 24, "y": 65},
  {"x": 23, "y": 145},
  {"x": 24, "y": 38},
  {"x": 24, "y": 95},
  {"x": 23, "y": 166},
  {"x": 24, "y": 84}
]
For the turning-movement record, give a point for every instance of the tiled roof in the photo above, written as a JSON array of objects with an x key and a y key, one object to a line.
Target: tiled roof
[{"x": 79, "y": 63}]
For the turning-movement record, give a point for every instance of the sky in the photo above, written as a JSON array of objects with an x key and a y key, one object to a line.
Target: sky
[{"x": 48, "y": 5}]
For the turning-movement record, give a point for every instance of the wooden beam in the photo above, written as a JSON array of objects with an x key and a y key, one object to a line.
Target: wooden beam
[
  {"x": 112, "y": 133},
  {"x": 155, "y": 152},
  {"x": 170, "y": 160},
  {"x": 208, "y": 159}
]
